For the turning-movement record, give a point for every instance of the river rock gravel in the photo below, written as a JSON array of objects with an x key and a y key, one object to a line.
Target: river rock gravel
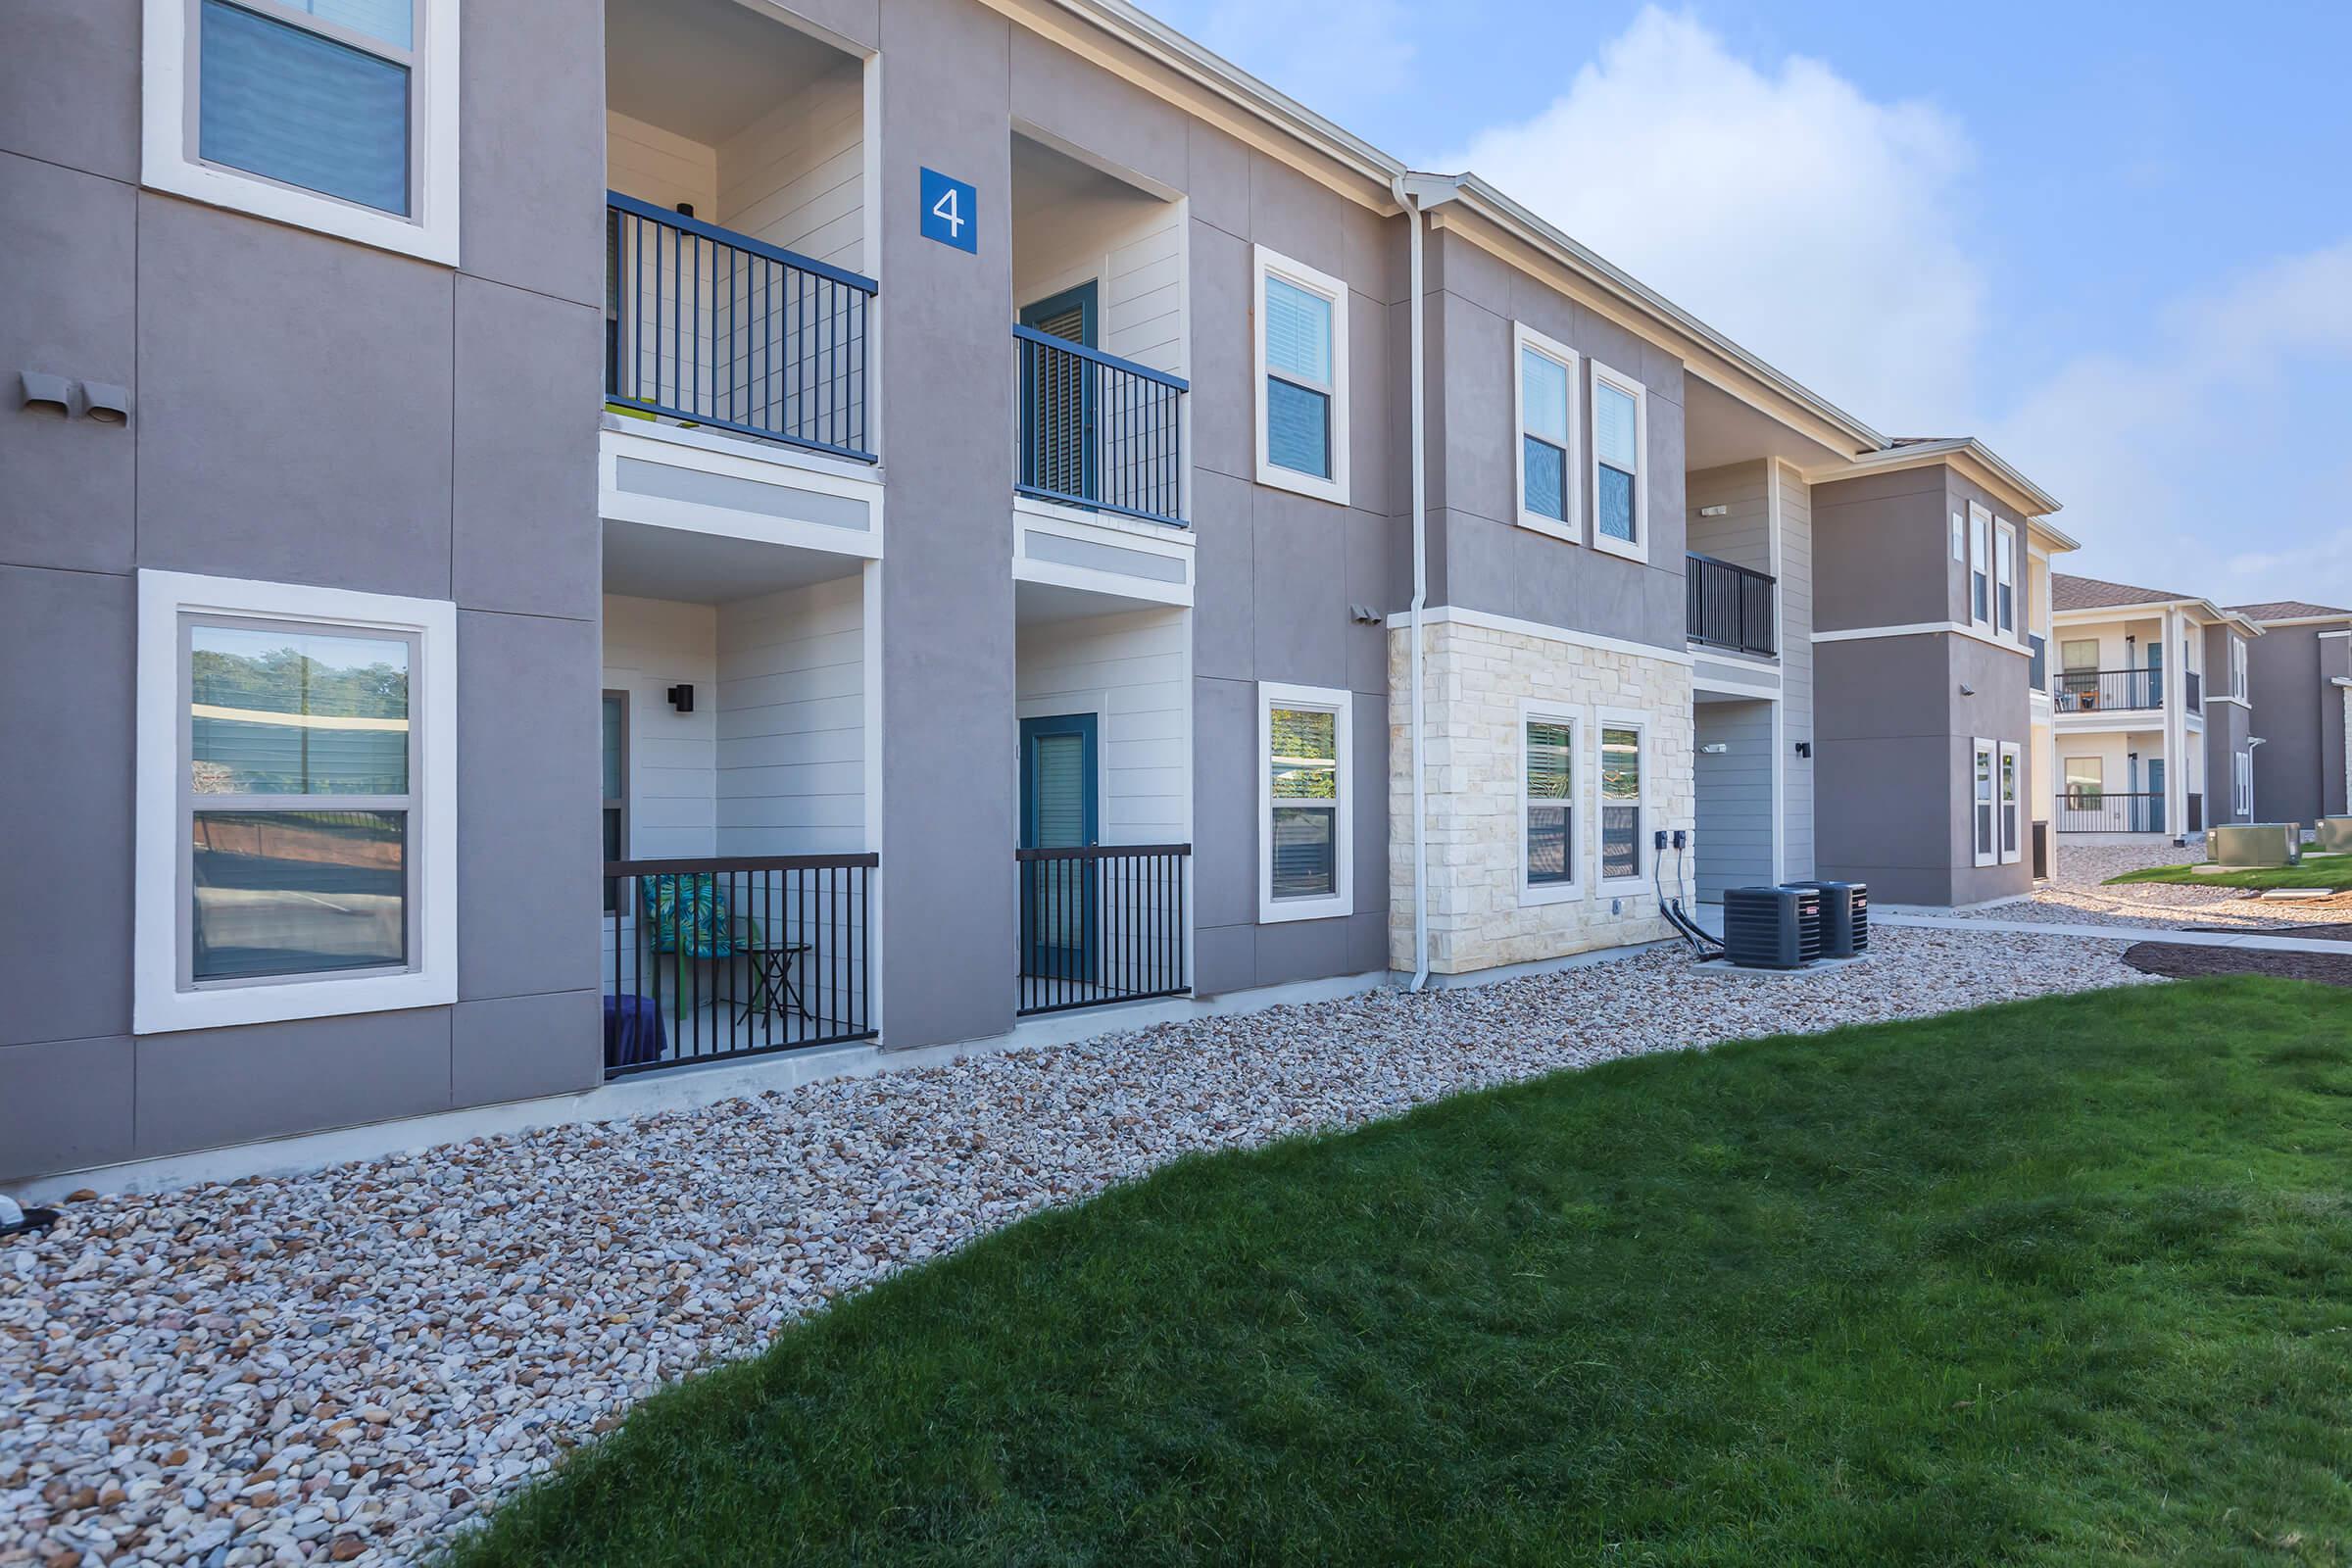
[
  {"x": 346, "y": 1366},
  {"x": 2078, "y": 895}
]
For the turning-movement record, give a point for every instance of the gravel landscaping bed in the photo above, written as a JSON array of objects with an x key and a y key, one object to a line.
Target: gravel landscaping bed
[
  {"x": 2078, "y": 896},
  {"x": 345, "y": 1367}
]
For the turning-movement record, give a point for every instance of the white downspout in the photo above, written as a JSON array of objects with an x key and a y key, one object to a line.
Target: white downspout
[{"x": 1413, "y": 219}]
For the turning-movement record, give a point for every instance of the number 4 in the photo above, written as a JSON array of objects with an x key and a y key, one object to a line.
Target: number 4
[{"x": 946, "y": 210}]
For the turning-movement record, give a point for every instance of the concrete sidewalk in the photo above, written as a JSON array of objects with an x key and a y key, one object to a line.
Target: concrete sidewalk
[{"x": 2118, "y": 933}]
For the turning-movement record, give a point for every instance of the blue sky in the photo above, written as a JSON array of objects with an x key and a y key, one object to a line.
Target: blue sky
[{"x": 2116, "y": 242}]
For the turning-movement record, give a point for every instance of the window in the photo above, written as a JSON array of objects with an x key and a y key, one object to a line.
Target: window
[
  {"x": 2237, "y": 666},
  {"x": 2086, "y": 782},
  {"x": 1305, "y": 830},
  {"x": 296, "y": 842},
  {"x": 1302, "y": 378},
  {"x": 1622, "y": 779},
  {"x": 1960, "y": 538},
  {"x": 2005, "y": 578},
  {"x": 616, "y": 789},
  {"x": 1981, "y": 803},
  {"x": 1619, "y": 436},
  {"x": 2012, "y": 802},
  {"x": 1545, "y": 398},
  {"x": 1980, "y": 578},
  {"x": 2242, "y": 770},
  {"x": 339, "y": 116},
  {"x": 1548, "y": 856}
]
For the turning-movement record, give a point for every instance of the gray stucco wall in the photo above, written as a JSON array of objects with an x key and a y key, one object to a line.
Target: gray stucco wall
[
  {"x": 1479, "y": 558},
  {"x": 2299, "y": 768},
  {"x": 314, "y": 411},
  {"x": 2227, "y": 727},
  {"x": 1880, "y": 552}
]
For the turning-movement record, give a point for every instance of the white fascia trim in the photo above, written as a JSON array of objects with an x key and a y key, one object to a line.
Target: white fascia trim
[
  {"x": 158, "y": 1005},
  {"x": 740, "y": 449},
  {"x": 1451, "y": 614},
  {"x": 1266, "y": 263},
  {"x": 1578, "y": 719},
  {"x": 1640, "y": 723},
  {"x": 1077, "y": 522},
  {"x": 1924, "y": 628},
  {"x": 1637, "y": 549},
  {"x": 614, "y": 504},
  {"x": 1731, "y": 688},
  {"x": 1342, "y": 902},
  {"x": 2234, "y": 702},
  {"x": 1524, "y": 338},
  {"x": 167, "y": 163}
]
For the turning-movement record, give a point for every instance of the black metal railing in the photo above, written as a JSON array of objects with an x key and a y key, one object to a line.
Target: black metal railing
[
  {"x": 2041, "y": 678},
  {"x": 2109, "y": 811},
  {"x": 736, "y": 957},
  {"x": 2197, "y": 813},
  {"x": 2101, "y": 691},
  {"x": 1100, "y": 924},
  {"x": 2194, "y": 690},
  {"x": 1728, "y": 606},
  {"x": 1099, "y": 431},
  {"x": 718, "y": 328}
]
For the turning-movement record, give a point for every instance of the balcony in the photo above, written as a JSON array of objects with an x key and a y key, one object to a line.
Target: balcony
[
  {"x": 1729, "y": 606},
  {"x": 1100, "y": 924},
  {"x": 1099, "y": 431},
  {"x": 2109, "y": 691},
  {"x": 715, "y": 329},
  {"x": 2196, "y": 692},
  {"x": 2039, "y": 681}
]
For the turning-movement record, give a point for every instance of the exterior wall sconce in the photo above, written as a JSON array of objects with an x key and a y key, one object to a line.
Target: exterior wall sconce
[
  {"x": 1714, "y": 749},
  {"x": 681, "y": 697},
  {"x": 1805, "y": 748},
  {"x": 1966, "y": 690},
  {"x": 1715, "y": 511}
]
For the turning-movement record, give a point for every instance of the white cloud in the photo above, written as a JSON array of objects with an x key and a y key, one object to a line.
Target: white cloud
[
  {"x": 2213, "y": 459},
  {"x": 1815, "y": 226}
]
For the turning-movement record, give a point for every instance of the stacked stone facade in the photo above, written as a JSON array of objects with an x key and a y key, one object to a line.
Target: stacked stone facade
[{"x": 1480, "y": 679}]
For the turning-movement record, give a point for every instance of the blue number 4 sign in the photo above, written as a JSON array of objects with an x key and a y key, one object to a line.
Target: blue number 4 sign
[{"x": 951, "y": 211}]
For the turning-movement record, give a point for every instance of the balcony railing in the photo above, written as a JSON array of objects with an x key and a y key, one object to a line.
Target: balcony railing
[
  {"x": 2195, "y": 690},
  {"x": 1105, "y": 923},
  {"x": 707, "y": 959},
  {"x": 718, "y": 328},
  {"x": 2084, "y": 811},
  {"x": 2106, "y": 691},
  {"x": 1727, "y": 607},
  {"x": 1099, "y": 431},
  {"x": 2040, "y": 679}
]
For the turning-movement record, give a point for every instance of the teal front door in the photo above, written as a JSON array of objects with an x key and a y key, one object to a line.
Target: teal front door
[
  {"x": 1061, "y": 809},
  {"x": 1060, "y": 418}
]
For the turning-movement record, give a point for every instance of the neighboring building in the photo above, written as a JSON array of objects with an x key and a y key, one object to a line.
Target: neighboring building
[
  {"x": 2300, "y": 684},
  {"x": 932, "y": 484},
  {"x": 2150, "y": 693},
  {"x": 1930, "y": 557}
]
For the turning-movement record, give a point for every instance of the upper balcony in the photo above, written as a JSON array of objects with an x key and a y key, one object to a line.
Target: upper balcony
[
  {"x": 1729, "y": 606},
  {"x": 736, "y": 227},
  {"x": 1100, "y": 338}
]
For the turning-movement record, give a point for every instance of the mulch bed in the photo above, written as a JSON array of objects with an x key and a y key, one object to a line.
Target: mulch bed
[{"x": 2178, "y": 960}]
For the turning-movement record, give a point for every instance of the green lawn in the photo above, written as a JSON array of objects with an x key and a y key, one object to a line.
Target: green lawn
[
  {"x": 2058, "y": 1282},
  {"x": 2316, "y": 871}
]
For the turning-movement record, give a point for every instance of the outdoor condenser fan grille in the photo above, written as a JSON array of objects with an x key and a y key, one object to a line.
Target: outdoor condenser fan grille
[
  {"x": 1771, "y": 928},
  {"x": 1844, "y": 917}
]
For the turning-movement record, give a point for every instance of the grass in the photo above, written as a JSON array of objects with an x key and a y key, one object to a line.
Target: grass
[
  {"x": 2059, "y": 1282},
  {"x": 2316, "y": 871}
]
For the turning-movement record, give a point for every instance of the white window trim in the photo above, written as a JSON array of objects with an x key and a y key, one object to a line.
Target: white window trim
[
  {"x": 1960, "y": 538},
  {"x": 1342, "y": 901},
  {"x": 1987, "y": 852},
  {"x": 1606, "y": 718},
  {"x": 1578, "y": 721},
  {"x": 2237, "y": 666},
  {"x": 1524, "y": 339},
  {"x": 2241, "y": 775},
  {"x": 1980, "y": 555},
  {"x": 2004, "y": 575},
  {"x": 168, "y": 162},
  {"x": 1638, "y": 548},
  {"x": 1268, "y": 264},
  {"x": 2010, "y": 765},
  {"x": 159, "y": 1004}
]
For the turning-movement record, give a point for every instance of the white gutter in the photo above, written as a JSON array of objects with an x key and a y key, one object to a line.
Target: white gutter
[{"x": 1410, "y": 202}]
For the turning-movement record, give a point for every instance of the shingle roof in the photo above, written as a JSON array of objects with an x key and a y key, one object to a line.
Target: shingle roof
[
  {"x": 2286, "y": 610},
  {"x": 2091, "y": 593}
]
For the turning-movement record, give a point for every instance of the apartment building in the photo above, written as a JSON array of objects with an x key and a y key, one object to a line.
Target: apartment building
[
  {"x": 987, "y": 509},
  {"x": 2299, "y": 684},
  {"x": 2152, "y": 711}
]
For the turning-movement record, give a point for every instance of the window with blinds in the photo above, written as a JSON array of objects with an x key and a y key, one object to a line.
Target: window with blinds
[
  {"x": 1547, "y": 399},
  {"x": 1548, "y": 800},
  {"x": 315, "y": 93},
  {"x": 1620, "y": 512}
]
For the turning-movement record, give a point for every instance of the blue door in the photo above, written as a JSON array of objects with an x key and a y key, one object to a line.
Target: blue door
[
  {"x": 1060, "y": 396},
  {"x": 2151, "y": 693},
  {"x": 1060, "y": 810},
  {"x": 2152, "y": 818}
]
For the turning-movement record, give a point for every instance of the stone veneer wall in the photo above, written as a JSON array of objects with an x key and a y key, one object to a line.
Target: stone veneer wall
[{"x": 1477, "y": 677}]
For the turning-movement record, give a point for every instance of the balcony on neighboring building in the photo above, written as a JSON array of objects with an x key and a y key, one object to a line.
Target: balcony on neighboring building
[
  {"x": 1728, "y": 606},
  {"x": 2109, "y": 691}
]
